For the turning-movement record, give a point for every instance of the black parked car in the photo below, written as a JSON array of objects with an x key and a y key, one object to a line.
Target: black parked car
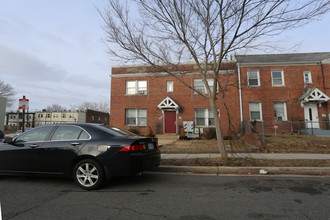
[
  {"x": 2, "y": 135},
  {"x": 89, "y": 153}
]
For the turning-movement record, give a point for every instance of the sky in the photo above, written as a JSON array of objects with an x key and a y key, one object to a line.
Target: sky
[{"x": 53, "y": 52}]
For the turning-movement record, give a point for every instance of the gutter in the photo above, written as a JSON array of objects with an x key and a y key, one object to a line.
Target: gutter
[{"x": 240, "y": 95}]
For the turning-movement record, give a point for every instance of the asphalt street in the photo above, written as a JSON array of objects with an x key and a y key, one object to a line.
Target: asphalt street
[{"x": 168, "y": 196}]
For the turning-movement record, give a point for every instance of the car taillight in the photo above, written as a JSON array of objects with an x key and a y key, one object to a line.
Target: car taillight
[{"x": 135, "y": 147}]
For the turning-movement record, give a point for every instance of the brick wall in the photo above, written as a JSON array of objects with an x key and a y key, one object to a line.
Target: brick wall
[{"x": 157, "y": 92}]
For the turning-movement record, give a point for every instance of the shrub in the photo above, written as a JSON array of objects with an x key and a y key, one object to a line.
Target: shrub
[
  {"x": 134, "y": 130},
  {"x": 211, "y": 134}
]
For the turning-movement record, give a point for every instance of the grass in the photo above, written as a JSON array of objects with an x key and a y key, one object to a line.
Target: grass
[{"x": 284, "y": 143}]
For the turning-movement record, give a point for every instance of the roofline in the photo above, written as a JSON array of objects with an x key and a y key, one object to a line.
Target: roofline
[
  {"x": 327, "y": 61},
  {"x": 162, "y": 64}
]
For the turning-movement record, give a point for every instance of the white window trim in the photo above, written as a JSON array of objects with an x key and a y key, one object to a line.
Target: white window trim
[
  {"x": 136, "y": 92},
  {"x": 309, "y": 77},
  {"x": 260, "y": 108},
  {"x": 282, "y": 77},
  {"x": 285, "y": 112},
  {"x": 258, "y": 75}
]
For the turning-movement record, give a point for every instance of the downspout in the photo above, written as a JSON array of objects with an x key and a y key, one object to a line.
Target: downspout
[{"x": 240, "y": 95}]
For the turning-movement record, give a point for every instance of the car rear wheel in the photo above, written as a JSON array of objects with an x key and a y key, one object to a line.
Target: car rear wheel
[{"x": 88, "y": 174}]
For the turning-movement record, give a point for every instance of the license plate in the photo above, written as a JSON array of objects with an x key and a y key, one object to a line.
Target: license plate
[{"x": 151, "y": 146}]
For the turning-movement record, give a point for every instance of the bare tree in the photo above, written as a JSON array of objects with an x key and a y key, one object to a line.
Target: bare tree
[
  {"x": 164, "y": 33},
  {"x": 55, "y": 108},
  {"x": 96, "y": 106},
  {"x": 7, "y": 91}
]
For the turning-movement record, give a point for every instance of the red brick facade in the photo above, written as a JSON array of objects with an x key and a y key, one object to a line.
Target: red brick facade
[{"x": 265, "y": 93}]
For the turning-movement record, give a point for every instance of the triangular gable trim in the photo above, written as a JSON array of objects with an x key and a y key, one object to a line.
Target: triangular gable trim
[
  {"x": 168, "y": 103},
  {"x": 315, "y": 95}
]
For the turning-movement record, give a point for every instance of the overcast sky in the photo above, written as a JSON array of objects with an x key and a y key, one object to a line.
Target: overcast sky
[{"x": 52, "y": 51}]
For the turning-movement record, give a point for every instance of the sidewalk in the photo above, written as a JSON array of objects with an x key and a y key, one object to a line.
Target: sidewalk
[{"x": 248, "y": 170}]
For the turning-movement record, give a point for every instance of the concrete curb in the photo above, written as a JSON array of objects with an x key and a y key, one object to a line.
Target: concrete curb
[{"x": 245, "y": 170}]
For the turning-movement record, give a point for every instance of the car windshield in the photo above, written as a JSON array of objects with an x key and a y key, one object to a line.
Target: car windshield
[{"x": 117, "y": 132}]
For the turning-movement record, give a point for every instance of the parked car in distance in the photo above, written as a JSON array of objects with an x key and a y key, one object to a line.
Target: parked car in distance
[
  {"x": 2, "y": 135},
  {"x": 88, "y": 153}
]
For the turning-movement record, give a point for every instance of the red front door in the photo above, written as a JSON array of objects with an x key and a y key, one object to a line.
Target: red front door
[{"x": 170, "y": 122}]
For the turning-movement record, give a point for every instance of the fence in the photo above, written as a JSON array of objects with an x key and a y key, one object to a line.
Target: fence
[{"x": 317, "y": 128}]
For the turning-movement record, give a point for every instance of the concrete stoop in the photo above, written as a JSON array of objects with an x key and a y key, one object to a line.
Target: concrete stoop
[{"x": 164, "y": 139}]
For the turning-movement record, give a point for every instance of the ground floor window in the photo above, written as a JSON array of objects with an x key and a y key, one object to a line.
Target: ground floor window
[
  {"x": 255, "y": 111},
  {"x": 204, "y": 117},
  {"x": 280, "y": 111},
  {"x": 136, "y": 117}
]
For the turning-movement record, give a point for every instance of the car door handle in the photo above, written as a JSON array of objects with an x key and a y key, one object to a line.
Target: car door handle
[
  {"x": 75, "y": 143},
  {"x": 34, "y": 145}
]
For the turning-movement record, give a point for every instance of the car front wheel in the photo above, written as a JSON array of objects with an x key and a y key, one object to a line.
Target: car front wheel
[{"x": 88, "y": 174}]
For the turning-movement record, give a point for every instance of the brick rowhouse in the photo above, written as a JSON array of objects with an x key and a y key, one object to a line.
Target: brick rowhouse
[{"x": 274, "y": 89}]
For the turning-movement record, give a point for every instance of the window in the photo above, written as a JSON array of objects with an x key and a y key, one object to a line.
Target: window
[
  {"x": 204, "y": 117},
  {"x": 280, "y": 111},
  {"x": 136, "y": 117},
  {"x": 199, "y": 85},
  {"x": 71, "y": 115},
  {"x": 69, "y": 133},
  {"x": 55, "y": 115},
  {"x": 134, "y": 87},
  {"x": 277, "y": 78},
  {"x": 40, "y": 115},
  {"x": 170, "y": 86},
  {"x": 37, "y": 134},
  {"x": 63, "y": 115},
  {"x": 307, "y": 77},
  {"x": 255, "y": 111},
  {"x": 253, "y": 78},
  {"x": 48, "y": 115}
]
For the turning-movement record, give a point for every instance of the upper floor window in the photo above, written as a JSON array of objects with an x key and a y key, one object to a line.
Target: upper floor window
[
  {"x": 307, "y": 77},
  {"x": 253, "y": 78},
  {"x": 170, "y": 87},
  {"x": 63, "y": 115},
  {"x": 255, "y": 111},
  {"x": 40, "y": 115},
  {"x": 134, "y": 87},
  {"x": 199, "y": 85},
  {"x": 277, "y": 77},
  {"x": 71, "y": 115},
  {"x": 48, "y": 115},
  {"x": 55, "y": 115},
  {"x": 280, "y": 111}
]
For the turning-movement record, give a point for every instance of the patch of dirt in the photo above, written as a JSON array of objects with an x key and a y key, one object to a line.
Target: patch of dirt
[{"x": 245, "y": 162}]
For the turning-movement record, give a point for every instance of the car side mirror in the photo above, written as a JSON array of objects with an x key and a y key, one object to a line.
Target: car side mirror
[{"x": 8, "y": 140}]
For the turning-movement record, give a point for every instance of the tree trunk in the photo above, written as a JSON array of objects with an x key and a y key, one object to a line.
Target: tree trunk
[{"x": 221, "y": 143}]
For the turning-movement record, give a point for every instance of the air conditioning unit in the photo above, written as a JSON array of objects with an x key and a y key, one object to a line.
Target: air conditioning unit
[{"x": 143, "y": 92}]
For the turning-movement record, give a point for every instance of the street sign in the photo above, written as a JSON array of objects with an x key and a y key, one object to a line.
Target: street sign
[{"x": 23, "y": 104}]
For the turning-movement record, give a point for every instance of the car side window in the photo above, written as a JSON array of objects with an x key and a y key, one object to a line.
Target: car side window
[
  {"x": 37, "y": 134},
  {"x": 84, "y": 135},
  {"x": 63, "y": 133}
]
